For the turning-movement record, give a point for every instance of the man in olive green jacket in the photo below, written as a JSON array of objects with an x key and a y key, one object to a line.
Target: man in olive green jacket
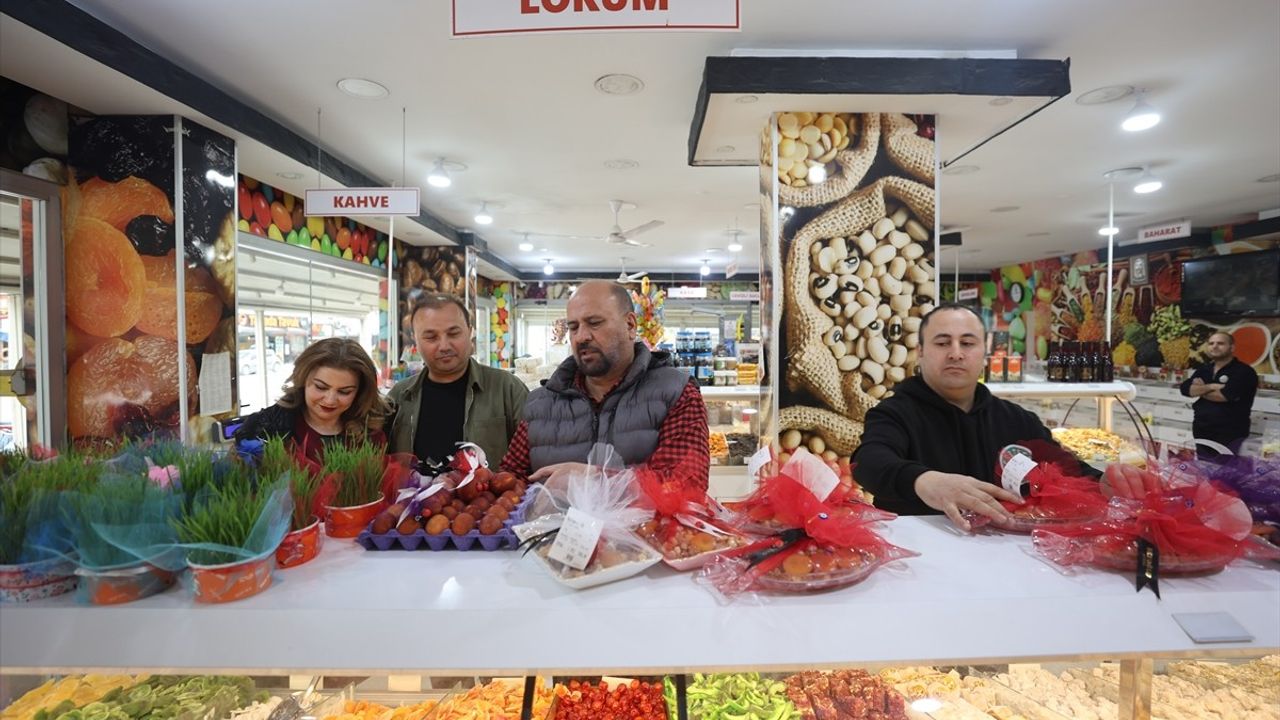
[{"x": 455, "y": 398}]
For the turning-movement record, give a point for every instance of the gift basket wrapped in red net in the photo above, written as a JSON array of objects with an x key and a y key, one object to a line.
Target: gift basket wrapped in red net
[
  {"x": 819, "y": 535},
  {"x": 1180, "y": 525},
  {"x": 688, "y": 526}
]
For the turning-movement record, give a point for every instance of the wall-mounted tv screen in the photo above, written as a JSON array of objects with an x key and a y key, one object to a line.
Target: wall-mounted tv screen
[{"x": 1242, "y": 284}]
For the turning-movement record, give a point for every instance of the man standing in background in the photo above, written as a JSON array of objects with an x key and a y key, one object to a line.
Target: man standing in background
[{"x": 1224, "y": 388}]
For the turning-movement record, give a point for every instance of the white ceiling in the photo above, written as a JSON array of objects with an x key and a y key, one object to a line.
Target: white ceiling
[{"x": 522, "y": 113}]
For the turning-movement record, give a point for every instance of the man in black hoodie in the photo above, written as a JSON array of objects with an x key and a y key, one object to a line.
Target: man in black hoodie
[{"x": 932, "y": 447}]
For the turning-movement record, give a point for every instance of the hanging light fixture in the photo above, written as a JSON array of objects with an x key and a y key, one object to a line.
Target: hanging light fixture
[
  {"x": 1142, "y": 116},
  {"x": 525, "y": 245},
  {"x": 483, "y": 217},
  {"x": 439, "y": 177},
  {"x": 706, "y": 267},
  {"x": 548, "y": 269},
  {"x": 1109, "y": 231},
  {"x": 735, "y": 246},
  {"x": 1148, "y": 183}
]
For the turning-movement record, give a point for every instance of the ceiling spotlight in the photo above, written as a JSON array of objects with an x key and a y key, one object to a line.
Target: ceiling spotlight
[
  {"x": 735, "y": 247},
  {"x": 548, "y": 269},
  {"x": 363, "y": 89},
  {"x": 526, "y": 246},
  {"x": 1142, "y": 116},
  {"x": 439, "y": 177},
  {"x": 817, "y": 174},
  {"x": 1109, "y": 231},
  {"x": 1148, "y": 183},
  {"x": 483, "y": 217},
  {"x": 706, "y": 267}
]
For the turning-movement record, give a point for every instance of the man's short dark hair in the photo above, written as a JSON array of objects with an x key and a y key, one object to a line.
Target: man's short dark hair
[
  {"x": 951, "y": 306},
  {"x": 439, "y": 301}
]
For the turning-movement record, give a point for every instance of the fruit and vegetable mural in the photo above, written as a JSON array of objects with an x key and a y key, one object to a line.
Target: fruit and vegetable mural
[
  {"x": 1065, "y": 299},
  {"x": 271, "y": 213},
  {"x": 122, "y": 289}
]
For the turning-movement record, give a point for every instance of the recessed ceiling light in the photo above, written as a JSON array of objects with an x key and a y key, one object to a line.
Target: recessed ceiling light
[
  {"x": 725, "y": 149},
  {"x": 1006, "y": 208},
  {"x": 746, "y": 99},
  {"x": 1102, "y": 95},
  {"x": 960, "y": 169},
  {"x": 619, "y": 84},
  {"x": 621, "y": 164},
  {"x": 997, "y": 102},
  {"x": 289, "y": 175},
  {"x": 1038, "y": 234},
  {"x": 1109, "y": 231},
  {"x": 1270, "y": 178},
  {"x": 363, "y": 89}
]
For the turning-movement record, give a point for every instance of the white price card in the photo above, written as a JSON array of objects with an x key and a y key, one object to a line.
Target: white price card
[
  {"x": 215, "y": 383},
  {"x": 576, "y": 541},
  {"x": 758, "y": 460},
  {"x": 1015, "y": 473}
]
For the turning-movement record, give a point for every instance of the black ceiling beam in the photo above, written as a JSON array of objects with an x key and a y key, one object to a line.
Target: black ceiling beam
[
  {"x": 875, "y": 76},
  {"x": 90, "y": 36}
]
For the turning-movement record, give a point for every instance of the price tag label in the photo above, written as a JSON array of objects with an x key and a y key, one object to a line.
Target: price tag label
[
  {"x": 759, "y": 460},
  {"x": 575, "y": 543},
  {"x": 1016, "y": 469}
]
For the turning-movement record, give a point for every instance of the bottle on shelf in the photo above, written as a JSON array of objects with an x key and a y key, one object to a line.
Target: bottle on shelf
[
  {"x": 1107, "y": 364},
  {"x": 1053, "y": 365},
  {"x": 1089, "y": 363},
  {"x": 1069, "y": 366}
]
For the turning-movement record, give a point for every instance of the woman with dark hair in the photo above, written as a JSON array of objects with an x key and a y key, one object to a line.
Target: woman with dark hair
[{"x": 332, "y": 395}]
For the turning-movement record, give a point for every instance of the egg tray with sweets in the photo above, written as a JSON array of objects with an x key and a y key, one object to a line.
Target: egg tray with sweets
[
  {"x": 687, "y": 548},
  {"x": 462, "y": 519}
]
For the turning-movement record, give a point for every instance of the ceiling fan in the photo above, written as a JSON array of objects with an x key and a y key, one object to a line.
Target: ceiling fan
[
  {"x": 618, "y": 236},
  {"x": 623, "y": 278}
]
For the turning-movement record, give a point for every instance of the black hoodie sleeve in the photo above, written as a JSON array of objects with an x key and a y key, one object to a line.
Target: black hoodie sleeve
[{"x": 880, "y": 462}]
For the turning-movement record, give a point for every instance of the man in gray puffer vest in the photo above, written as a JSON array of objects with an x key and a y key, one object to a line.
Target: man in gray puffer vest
[{"x": 612, "y": 390}]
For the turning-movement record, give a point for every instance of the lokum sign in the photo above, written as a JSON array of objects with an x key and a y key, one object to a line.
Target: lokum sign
[
  {"x": 501, "y": 17},
  {"x": 361, "y": 201}
]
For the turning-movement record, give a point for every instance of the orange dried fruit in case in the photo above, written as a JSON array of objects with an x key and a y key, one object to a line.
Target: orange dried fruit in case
[
  {"x": 118, "y": 203},
  {"x": 105, "y": 279}
]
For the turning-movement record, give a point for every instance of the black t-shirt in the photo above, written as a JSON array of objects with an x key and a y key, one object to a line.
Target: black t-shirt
[
  {"x": 440, "y": 418},
  {"x": 1224, "y": 421}
]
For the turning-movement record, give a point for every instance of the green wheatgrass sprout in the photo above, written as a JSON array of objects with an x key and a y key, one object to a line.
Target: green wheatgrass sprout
[
  {"x": 224, "y": 513},
  {"x": 276, "y": 461},
  {"x": 35, "y": 485},
  {"x": 11, "y": 461},
  {"x": 358, "y": 467},
  {"x": 113, "y": 502}
]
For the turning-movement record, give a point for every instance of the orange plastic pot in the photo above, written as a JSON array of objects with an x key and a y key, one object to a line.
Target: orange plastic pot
[
  {"x": 300, "y": 546},
  {"x": 347, "y": 522},
  {"x": 233, "y": 581},
  {"x": 122, "y": 585}
]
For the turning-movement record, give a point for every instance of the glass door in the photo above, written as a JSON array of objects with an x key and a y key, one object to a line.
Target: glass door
[{"x": 32, "y": 377}]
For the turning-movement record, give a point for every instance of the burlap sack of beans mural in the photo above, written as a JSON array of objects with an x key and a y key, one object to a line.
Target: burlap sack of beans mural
[
  {"x": 857, "y": 281},
  {"x": 845, "y": 163},
  {"x": 907, "y": 149},
  {"x": 839, "y": 432}
]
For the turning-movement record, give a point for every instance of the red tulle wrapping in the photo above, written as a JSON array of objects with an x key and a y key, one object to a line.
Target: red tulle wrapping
[
  {"x": 1196, "y": 528},
  {"x": 1056, "y": 494},
  {"x": 395, "y": 474}
]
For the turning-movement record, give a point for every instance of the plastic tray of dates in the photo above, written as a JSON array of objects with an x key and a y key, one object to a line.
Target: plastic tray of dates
[
  {"x": 1026, "y": 519},
  {"x": 481, "y": 512},
  {"x": 683, "y": 547},
  {"x": 819, "y": 568},
  {"x": 611, "y": 698}
]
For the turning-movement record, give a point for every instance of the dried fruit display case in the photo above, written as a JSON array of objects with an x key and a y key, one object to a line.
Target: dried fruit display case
[{"x": 981, "y": 606}]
